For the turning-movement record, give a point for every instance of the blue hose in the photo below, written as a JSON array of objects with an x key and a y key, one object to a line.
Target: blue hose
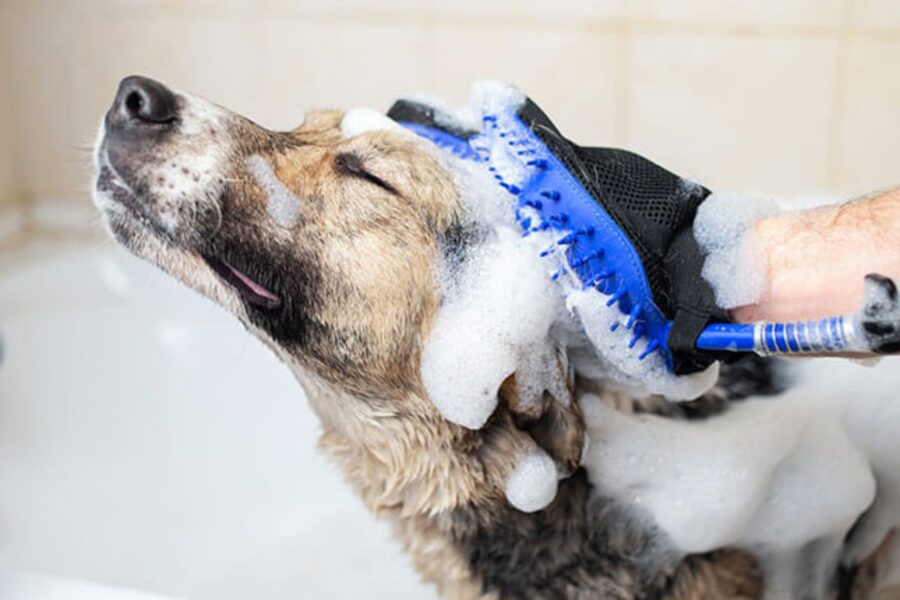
[{"x": 832, "y": 335}]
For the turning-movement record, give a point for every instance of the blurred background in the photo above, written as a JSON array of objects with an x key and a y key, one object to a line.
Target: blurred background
[{"x": 137, "y": 444}]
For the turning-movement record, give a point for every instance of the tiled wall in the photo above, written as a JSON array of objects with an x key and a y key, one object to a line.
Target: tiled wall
[{"x": 784, "y": 96}]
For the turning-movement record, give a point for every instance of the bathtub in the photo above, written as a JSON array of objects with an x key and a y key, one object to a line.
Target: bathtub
[{"x": 148, "y": 441}]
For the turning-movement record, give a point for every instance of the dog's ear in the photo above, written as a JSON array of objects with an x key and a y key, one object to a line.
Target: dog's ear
[{"x": 542, "y": 404}]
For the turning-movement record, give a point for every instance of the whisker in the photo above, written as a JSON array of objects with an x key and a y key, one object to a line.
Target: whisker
[{"x": 89, "y": 149}]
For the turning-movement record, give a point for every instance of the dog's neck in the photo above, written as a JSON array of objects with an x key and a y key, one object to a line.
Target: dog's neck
[
  {"x": 399, "y": 455},
  {"x": 441, "y": 486},
  {"x": 410, "y": 468}
]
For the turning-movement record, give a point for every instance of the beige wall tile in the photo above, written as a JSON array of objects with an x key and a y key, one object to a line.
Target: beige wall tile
[
  {"x": 732, "y": 112},
  {"x": 366, "y": 8},
  {"x": 512, "y": 9},
  {"x": 67, "y": 68},
  {"x": 870, "y": 124},
  {"x": 193, "y": 54},
  {"x": 49, "y": 87},
  {"x": 357, "y": 11},
  {"x": 571, "y": 74},
  {"x": 780, "y": 13},
  {"x": 292, "y": 66},
  {"x": 269, "y": 69},
  {"x": 877, "y": 14},
  {"x": 371, "y": 7},
  {"x": 207, "y": 7}
]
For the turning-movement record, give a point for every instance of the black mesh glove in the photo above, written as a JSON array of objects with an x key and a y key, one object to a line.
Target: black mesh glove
[
  {"x": 653, "y": 206},
  {"x": 656, "y": 208}
]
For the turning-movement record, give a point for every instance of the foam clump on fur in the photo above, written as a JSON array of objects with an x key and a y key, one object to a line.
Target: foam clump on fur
[
  {"x": 612, "y": 358},
  {"x": 485, "y": 97},
  {"x": 282, "y": 205},
  {"x": 733, "y": 267},
  {"x": 532, "y": 484},
  {"x": 787, "y": 478},
  {"x": 496, "y": 314},
  {"x": 498, "y": 307},
  {"x": 358, "y": 121}
]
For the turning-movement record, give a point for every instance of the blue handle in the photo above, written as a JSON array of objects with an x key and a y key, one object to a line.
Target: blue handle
[
  {"x": 838, "y": 334},
  {"x": 727, "y": 336}
]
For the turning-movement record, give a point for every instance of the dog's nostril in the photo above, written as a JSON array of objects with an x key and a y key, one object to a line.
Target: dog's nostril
[
  {"x": 143, "y": 101},
  {"x": 134, "y": 103}
]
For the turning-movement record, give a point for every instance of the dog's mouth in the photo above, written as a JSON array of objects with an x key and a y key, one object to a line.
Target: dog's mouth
[
  {"x": 110, "y": 182},
  {"x": 250, "y": 290}
]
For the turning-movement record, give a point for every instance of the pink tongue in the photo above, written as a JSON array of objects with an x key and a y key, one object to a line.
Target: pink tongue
[{"x": 257, "y": 289}]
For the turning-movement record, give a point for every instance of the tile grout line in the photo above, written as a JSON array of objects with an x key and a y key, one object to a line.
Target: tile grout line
[
  {"x": 623, "y": 64},
  {"x": 834, "y": 166},
  {"x": 426, "y": 48}
]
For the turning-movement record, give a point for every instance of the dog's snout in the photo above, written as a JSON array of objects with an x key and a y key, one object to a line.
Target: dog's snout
[{"x": 142, "y": 102}]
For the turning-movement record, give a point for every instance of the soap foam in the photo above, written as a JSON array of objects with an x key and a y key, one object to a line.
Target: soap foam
[
  {"x": 448, "y": 115},
  {"x": 358, "y": 121},
  {"x": 485, "y": 97},
  {"x": 532, "y": 484},
  {"x": 785, "y": 477},
  {"x": 282, "y": 205},
  {"x": 734, "y": 268},
  {"x": 501, "y": 314},
  {"x": 613, "y": 358}
]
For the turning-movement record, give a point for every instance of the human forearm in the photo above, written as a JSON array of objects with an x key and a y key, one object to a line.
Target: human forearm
[{"x": 816, "y": 259}]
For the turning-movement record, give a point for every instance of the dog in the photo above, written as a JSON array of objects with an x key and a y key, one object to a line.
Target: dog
[{"x": 323, "y": 242}]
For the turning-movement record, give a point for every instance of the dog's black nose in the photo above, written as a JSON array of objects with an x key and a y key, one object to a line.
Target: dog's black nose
[{"x": 141, "y": 101}]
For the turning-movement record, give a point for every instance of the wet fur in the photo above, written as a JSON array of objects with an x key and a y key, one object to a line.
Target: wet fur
[{"x": 356, "y": 275}]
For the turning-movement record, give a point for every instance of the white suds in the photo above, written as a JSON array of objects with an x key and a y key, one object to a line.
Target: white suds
[
  {"x": 282, "y": 204},
  {"x": 613, "y": 358},
  {"x": 485, "y": 97},
  {"x": 449, "y": 115},
  {"x": 532, "y": 484},
  {"x": 363, "y": 120},
  {"x": 733, "y": 267},
  {"x": 772, "y": 475},
  {"x": 499, "y": 304},
  {"x": 496, "y": 315},
  {"x": 488, "y": 96}
]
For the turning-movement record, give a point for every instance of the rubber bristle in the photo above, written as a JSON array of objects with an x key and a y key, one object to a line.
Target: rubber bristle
[
  {"x": 616, "y": 296},
  {"x": 652, "y": 346}
]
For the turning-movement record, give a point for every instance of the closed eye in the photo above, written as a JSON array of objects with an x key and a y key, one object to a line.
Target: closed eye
[{"x": 351, "y": 164}]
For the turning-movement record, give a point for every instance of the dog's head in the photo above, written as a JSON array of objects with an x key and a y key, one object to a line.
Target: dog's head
[
  {"x": 326, "y": 243},
  {"x": 321, "y": 244}
]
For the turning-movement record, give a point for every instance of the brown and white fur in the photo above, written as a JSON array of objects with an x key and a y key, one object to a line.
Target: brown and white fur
[{"x": 354, "y": 272}]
